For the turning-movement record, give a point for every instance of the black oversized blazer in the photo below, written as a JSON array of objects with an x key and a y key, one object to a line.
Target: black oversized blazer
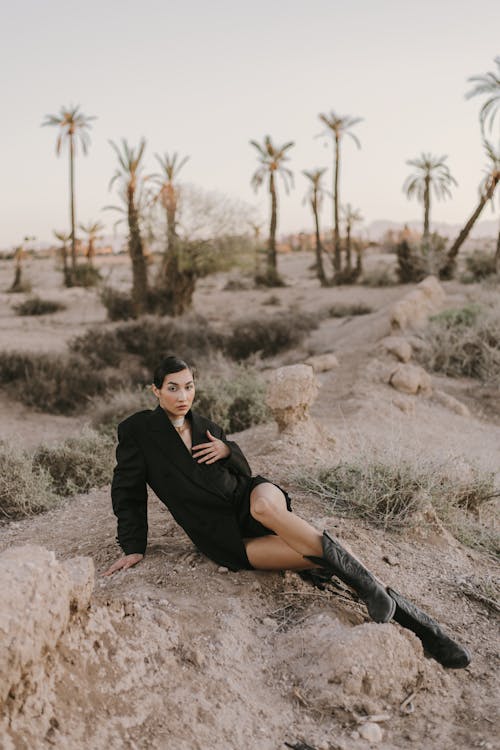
[{"x": 202, "y": 498}]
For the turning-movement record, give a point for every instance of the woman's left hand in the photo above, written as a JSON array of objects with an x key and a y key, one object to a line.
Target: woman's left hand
[{"x": 209, "y": 453}]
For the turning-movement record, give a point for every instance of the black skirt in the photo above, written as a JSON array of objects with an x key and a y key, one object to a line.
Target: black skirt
[{"x": 248, "y": 525}]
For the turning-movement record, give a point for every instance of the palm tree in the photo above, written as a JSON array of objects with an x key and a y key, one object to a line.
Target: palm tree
[
  {"x": 338, "y": 125},
  {"x": 271, "y": 161},
  {"x": 73, "y": 126},
  {"x": 488, "y": 84},
  {"x": 129, "y": 176},
  {"x": 432, "y": 175},
  {"x": 168, "y": 192},
  {"x": 92, "y": 230},
  {"x": 351, "y": 216},
  {"x": 64, "y": 238},
  {"x": 315, "y": 197},
  {"x": 486, "y": 192}
]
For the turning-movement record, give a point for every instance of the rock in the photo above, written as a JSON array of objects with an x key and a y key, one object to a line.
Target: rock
[
  {"x": 322, "y": 362},
  {"x": 451, "y": 403},
  {"x": 361, "y": 668},
  {"x": 222, "y": 569},
  {"x": 81, "y": 574},
  {"x": 411, "y": 379},
  {"x": 35, "y": 592},
  {"x": 371, "y": 732},
  {"x": 398, "y": 346},
  {"x": 415, "y": 307},
  {"x": 290, "y": 392}
]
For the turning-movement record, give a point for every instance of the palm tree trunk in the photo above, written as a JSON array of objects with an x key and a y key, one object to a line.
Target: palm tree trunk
[
  {"x": 348, "y": 248},
  {"x": 72, "y": 199},
  {"x": 427, "y": 208},
  {"x": 66, "y": 273},
  {"x": 319, "y": 250},
  {"x": 272, "y": 268},
  {"x": 497, "y": 254},
  {"x": 337, "y": 262},
  {"x": 447, "y": 271},
  {"x": 90, "y": 252},
  {"x": 136, "y": 250}
]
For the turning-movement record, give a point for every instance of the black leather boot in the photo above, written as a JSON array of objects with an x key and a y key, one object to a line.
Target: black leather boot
[
  {"x": 380, "y": 605},
  {"x": 434, "y": 640}
]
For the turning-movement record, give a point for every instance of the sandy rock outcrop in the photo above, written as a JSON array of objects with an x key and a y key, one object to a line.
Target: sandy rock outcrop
[
  {"x": 411, "y": 379},
  {"x": 359, "y": 668},
  {"x": 398, "y": 346},
  {"x": 413, "y": 310},
  {"x": 290, "y": 392}
]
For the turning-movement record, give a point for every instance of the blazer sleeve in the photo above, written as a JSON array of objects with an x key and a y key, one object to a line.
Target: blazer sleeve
[
  {"x": 236, "y": 461},
  {"x": 129, "y": 494}
]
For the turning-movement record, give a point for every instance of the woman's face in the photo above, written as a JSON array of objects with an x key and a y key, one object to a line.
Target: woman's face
[{"x": 176, "y": 394}]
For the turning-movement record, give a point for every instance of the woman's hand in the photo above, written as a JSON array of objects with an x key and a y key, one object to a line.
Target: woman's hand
[
  {"x": 209, "y": 453},
  {"x": 123, "y": 563}
]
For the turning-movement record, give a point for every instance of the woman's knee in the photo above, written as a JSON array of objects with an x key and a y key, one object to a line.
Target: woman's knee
[{"x": 267, "y": 503}]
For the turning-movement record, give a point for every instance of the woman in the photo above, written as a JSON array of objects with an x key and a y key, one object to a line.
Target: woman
[{"x": 237, "y": 520}]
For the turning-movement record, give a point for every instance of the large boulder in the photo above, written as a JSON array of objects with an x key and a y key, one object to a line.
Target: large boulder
[
  {"x": 413, "y": 310},
  {"x": 36, "y": 592},
  {"x": 411, "y": 379},
  {"x": 290, "y": 392}
]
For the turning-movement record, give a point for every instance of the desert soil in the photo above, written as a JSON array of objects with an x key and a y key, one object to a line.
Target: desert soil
[{"x": 177, "y": 653}]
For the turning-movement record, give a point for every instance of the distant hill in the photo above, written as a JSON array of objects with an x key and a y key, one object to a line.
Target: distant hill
[{"x": 377, "y": 229}]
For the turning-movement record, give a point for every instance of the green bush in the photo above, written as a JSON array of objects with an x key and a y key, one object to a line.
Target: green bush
[
  {"x": 268, "y": 335},
  {"x": 77, "y": 464},
  {"x": 25, "y": 489},
  {"x": 464, "y": 342},
  {"x": 54, "y": 383},
  {"x": 235, "y": 401},
  {"x": 37, "y": 306}
]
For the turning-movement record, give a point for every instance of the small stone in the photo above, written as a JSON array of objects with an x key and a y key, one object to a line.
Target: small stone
[
  {"x": 222, "y": 569},
  {"x": 411, "y": 379},
  {"x": 390, "y": 560},
  {"x": 322, "y": 362},
  {"x": 371, "y": 732},
  {"x": 355, "y": 735},
  {"x": 269, "y": 622},
  {"x": 398, "y": 346}
]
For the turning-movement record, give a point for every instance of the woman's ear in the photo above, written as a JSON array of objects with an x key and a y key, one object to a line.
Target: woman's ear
[{"x": 155, "y": 390}]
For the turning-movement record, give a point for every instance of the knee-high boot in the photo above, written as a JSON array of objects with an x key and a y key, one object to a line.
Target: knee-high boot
[
  {"x": 380, "y": 605},
  {"x": 434, "y": 640}
]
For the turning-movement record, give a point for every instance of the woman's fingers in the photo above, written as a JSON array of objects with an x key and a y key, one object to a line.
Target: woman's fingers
[{"x": 123, "y": 563}]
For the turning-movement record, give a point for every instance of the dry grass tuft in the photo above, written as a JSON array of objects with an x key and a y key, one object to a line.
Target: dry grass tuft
[
  {"x": 38, "y": 306},
  {"x": 25, "y": 489}
]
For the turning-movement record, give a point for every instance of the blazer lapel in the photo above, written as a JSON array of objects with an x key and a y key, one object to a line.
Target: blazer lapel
[{"x": 175, "y": 451}]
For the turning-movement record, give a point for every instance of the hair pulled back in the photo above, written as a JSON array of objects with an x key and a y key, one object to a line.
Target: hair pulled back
[{"x": 167, "y": 366}]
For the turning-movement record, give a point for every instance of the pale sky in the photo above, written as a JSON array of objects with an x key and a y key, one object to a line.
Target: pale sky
[{"x": 203, "y": 78}]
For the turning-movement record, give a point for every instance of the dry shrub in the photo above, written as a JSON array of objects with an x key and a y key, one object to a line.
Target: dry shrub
[
  {"x": 107, "y": 411},
  {"x": 268, "y": 335},
  {"x": 464, "y": 342},
  {"x": 348, "y": 310},
  {"x": 389, "y": 494},
  {"x": 55, "y": 383},
  {"x": 377, "y": 277},
  {"x": 38, "y": 306},
  {"x": 149, "y": 338},
  {"x": 480, "y": 265},
  {"x": 234, "y": 400},
  {"x": 77, "y": 464},
  {"x": 85, "y": 275},
  {"x": 118, "y": 304},
  {"x": 25, "y": 489}
]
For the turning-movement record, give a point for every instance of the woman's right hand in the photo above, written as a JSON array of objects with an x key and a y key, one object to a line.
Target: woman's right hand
[{"x": 123, "y": 563}]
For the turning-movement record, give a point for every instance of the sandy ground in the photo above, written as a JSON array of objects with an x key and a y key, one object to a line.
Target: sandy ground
[{"x": 248, "y": 668}]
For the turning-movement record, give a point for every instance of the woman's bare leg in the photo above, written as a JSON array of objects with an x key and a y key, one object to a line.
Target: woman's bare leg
[{"x": 295, "y": 536}]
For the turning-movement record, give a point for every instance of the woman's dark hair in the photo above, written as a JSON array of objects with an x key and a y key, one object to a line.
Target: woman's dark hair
[{"x": 167, "y": 366}]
